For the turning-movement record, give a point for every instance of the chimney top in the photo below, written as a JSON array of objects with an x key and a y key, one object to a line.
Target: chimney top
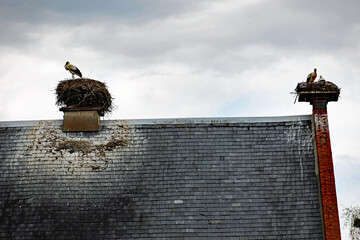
[
  {"x": 320, "y": 90},
  {"x": 83, "y": 101}
]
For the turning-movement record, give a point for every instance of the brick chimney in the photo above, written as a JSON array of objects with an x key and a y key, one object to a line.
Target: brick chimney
[{"x": 319, "y": 94}]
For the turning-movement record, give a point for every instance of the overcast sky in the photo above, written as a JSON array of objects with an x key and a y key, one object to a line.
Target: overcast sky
[{"x": 173, "y": 59}]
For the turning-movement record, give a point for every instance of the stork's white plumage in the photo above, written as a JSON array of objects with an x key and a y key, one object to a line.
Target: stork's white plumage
[
  {"x": 311, "y": 77},
  {"x": 72, "y": 69},
  {"x": 321, "y": 78}
]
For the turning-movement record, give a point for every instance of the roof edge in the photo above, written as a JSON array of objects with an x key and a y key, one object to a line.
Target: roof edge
[
  {"x": 172, "y": 120},
  {"x": 217, "y": 120}
]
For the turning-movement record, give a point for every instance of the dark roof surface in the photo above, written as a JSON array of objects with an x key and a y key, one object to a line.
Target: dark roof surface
[{"x": 230, "y": 178}]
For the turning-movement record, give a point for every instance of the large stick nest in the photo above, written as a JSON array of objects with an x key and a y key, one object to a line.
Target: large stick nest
[
  {"x": 83, "y": 92},
  {"x": 319, "y": 86}
]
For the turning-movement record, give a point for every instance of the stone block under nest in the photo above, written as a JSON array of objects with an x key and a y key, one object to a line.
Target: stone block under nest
[{"x": 319, "y": 89}]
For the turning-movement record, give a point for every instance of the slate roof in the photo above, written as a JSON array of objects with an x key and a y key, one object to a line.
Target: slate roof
[{"x": 224, "y": 178}]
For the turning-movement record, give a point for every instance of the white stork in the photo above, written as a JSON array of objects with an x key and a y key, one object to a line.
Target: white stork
[
  {"x": 72, "y": 69},
  {"x": 321, "y": 78},
  {"x": 311, "y": 77}
]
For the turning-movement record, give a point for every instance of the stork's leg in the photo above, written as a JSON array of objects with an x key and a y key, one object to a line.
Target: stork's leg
[{"x": 72, "y": 76}]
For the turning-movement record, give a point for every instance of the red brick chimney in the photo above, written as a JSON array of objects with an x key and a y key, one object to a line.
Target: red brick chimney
[{"x": 319, "y": 94}]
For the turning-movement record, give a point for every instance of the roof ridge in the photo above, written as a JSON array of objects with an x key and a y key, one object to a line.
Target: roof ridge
[{"x": 195, "y": 120}]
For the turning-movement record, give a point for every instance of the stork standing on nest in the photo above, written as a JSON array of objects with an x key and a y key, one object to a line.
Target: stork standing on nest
[
  {"x": 311, "y": 77},
  {"x": 72, "y": 69}
]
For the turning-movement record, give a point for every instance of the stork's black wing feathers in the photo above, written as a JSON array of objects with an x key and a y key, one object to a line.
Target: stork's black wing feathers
[{"x": 77, "y": 72}]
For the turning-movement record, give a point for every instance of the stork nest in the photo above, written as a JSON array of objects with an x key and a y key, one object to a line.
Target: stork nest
[
  {"x": 83, "y": 92},
  {"x": 319, "y": 86}
]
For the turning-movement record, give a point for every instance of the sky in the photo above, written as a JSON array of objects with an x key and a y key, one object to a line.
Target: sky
[{"x": 176, "y": 59}]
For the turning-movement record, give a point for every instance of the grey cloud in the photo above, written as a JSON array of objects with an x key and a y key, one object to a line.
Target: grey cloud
[
  {"x": 169, "y": 30},
  {"x": 199, "y": 37},
  {"x": 36, "y": 11},
  {"x": 15, "y": 34}
]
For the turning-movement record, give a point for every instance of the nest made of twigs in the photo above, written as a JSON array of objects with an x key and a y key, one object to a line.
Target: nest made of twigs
[
  {"x": 319, "y": 86},
  {"x": 83, "y": 92}
]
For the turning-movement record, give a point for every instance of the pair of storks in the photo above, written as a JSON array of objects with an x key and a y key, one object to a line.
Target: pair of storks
[
  {"x": 312, "y": 76},
  {"x": 74, "y": 70}
]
